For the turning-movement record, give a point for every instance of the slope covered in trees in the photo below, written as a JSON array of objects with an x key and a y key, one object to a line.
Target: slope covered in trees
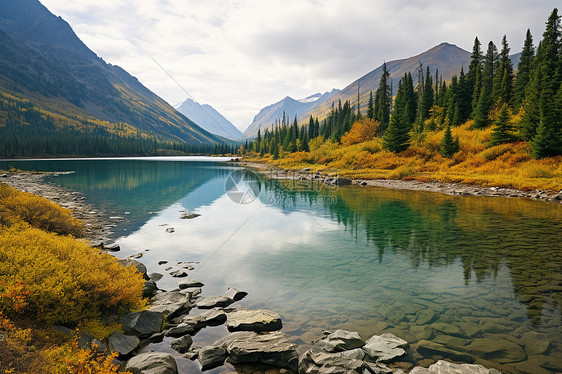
[{"x": 493, "y": 124}]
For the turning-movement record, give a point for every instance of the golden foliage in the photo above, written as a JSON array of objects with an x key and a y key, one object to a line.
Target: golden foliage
[
  {"x": 17, "y": 207},
  {"x": 70, "y": 359},
  {"x": 361, "y": 131}
]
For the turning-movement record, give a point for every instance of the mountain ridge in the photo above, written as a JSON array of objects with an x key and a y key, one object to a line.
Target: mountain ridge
[{"x": 209, "y": 119}]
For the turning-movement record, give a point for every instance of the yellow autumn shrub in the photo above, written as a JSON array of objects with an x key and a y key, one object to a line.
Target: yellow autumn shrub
[
  {"x": 70, "y": 359},
  {"x": 17, "y": 206},
  {"x": 64, "y": 281}
]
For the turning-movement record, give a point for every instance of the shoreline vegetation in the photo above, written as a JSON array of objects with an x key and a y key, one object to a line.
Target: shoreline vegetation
[
  {"x": 40, "y": 303},
  {"x": 494, "y": 125}
]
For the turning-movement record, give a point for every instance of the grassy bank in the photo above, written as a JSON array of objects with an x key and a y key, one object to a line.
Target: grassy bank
[
  {"x": 505, "y": 165},
  {"x": 48, "y": 277}
]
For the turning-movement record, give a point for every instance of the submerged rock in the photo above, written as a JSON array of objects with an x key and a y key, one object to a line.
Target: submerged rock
[
  {"x": 444, "y": 367},
  {"x": 317, "y": 362},
  {"x": 427, "y": 348},
  {"x": 211, "y": 357},
  {"x": 182, "y": 344},
  {"x": 253, "y": 320},
  {"x": 385, "y": 347},
  {"x": 152, "y": 363},
  {"x": 501, "y": 350}
]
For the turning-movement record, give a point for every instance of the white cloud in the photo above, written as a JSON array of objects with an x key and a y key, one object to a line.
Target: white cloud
[{"x": 241, "y": 55}]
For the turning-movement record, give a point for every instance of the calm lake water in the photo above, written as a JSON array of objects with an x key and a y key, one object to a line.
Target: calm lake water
[{"x": 467, "y": 278}]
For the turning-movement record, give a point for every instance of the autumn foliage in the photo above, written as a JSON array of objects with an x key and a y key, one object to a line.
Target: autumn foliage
[{"x": 361, "y": 131}]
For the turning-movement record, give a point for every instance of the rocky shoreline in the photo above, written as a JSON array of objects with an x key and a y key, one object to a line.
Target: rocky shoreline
[
  {"x": 255, "y": 336},
  {"x": 275, "y": 172}
]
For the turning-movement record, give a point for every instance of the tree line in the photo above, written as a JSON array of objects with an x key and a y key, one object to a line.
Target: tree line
[{"x": 522, "y": 104}]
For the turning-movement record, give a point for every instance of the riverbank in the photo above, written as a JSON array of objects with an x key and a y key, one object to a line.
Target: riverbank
[{"x": 276, "y": 172}]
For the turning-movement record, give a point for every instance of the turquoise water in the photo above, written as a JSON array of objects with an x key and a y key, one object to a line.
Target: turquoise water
[{"x": 471, "y": 278}]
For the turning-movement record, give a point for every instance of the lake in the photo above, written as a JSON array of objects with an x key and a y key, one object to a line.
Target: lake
[{"x": 469, "y": 278}]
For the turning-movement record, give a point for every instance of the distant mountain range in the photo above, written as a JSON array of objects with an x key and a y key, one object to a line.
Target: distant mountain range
[
  {"x": 209, "y": 118},
  {"x": 288, "y": 107},
  {"x": 43, "y": 63},
  {"x": 446, "y": 58}
]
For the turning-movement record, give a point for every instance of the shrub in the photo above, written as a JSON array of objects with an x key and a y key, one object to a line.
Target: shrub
[
  {"x": 64, "y": 281},
  {"x": 361, "y": 131}
]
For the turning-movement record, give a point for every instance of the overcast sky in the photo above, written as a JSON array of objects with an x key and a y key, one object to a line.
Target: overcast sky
[{"x": 241, "y": 55}]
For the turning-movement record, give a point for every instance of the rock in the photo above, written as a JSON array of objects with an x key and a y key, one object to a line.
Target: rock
[
  {"x": 214, "y": 301},
  {"x": 357, "y": 353},
  {"x": 142, "y": 324},
  {"x": 152, "y": 363},
  {"x": 318, "y": 362},
  {"x": 186, "y": 266},
  {"x": 340, "y": 340},
  {"x": 234, "y": 294},
  {"x": 191, "y": 293},
  {"x": 189, "y": 283},
  {"x": 62, "y": 330},
  {"x": 149, "y": 289},
  {"x": 444, "y": 367},
  {"x": 170, "y": 230},
  {"x": 182, "y": 344},
  {"x": 427, "y": 348},
  {"x": 271, "y": 349},
  {"x": 137, "y": 255},
  {"x": 178, "y": 273},
  {"x": 253, "y": 320},
  {"x": 184, "y": 328},
  {"x": 122, "y": 344},
  {"x": 4, "y": 175},
  {"x": 341, "y": 181},
  {"x": 497, "y": 349},
  {"x": 189, "y": 215},
  {"x": 211, "y": 357},
  {"x": 162, "y": 262},
  {"x": 379, "y": 368},
  {"x": 362, "y": 183},
  {"x": 214, "y": 317},
  {"x": 385, "y": 347},
  {"x": 88, "y": 342},
  {"x": 156, "y": 338},
  {"x": 111, "y": 247},
  {"x": 425, "y": 316},
  {"x": 155, "y": 276},
  {"x": 535, "y": 343},
  {"x": 172, "y": 304},
  {"x": 138, "y": 265}
]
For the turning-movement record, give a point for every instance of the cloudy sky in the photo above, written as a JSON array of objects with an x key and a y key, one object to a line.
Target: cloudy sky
[{"x": 241, "y": 55}]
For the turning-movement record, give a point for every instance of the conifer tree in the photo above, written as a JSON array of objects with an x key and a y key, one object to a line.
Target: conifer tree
[
  {"x": 449, "y": 146},
  {"x": 427, "y": 97},
  {"x": 464, "y": 98},
  {"x": 370, "y": 106},
  {"x": 523, "y": 71},
  {"x": 485, "y": 100},
  {"x": 397, "y": 136},
  {"x": 503, "y": 129},
  {"x": 383, "y": 99},
  {"x": 474, "y": 71},
  {"x": 503, "y": 78}
]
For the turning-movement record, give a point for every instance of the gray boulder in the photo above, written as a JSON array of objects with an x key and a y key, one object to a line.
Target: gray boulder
[
  {"x": 189, "y": 215},
  {"x": 88, "y": 342},
  {"x": 234, "y": 294},
  {"x": 155, "y": 276},
  {"x": 356, "y": 353},
  {"x": 189, "y": 283},
  {"x": 270, "y": 349},
  {"x": 211, "y": 357},
  {"x": 126, "y": 262},
  {"x": 142, "y": 324},
  {"x": 318, "y": 362},
  {"x": 122, "y": 344},
  {"x": 213, "y": 302},
  {"x": 183, "y": 329},
  {"x": 152, "y": 363},
  {"x": 182, "y": 344},
  {"x": 444, "y": 367},
  {"x": 214, "y": 317},
  {"x": 340, "y": 340},
  {"x": 179, "y": 273},
  {"x": 253, "y": 320},
  {"x": 149, "y": 288},
  {"x": 385, "y": 347},
  {"x": 171, "y": 304}
]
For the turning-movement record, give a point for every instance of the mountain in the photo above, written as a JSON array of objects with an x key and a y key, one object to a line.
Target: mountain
[
  {"x": 209, "y": 119},
  {"x": 447, "y": 58},
  {"x": 45, "y": 68},
  {"x": 288, "y": 106}
]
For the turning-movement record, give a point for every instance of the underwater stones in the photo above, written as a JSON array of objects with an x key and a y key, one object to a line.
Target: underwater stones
[
  {"x": 535, "y": 343},
  {"x": 253, "y": 320},
  {"x": 448, "y": 329},
  {"x": 421, "y": 332},
  {"x": 425, "y": 316},
  {"x": 497, "y": 349},
  {"x": 427, "y": 348},
  {"x": 385, "y": 347}
]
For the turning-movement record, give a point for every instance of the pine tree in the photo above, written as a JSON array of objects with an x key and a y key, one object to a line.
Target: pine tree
[
  {"x": 370, "y": 107},
  {"x": 411, "y": 99},
  {"x": 397, "y": 136},
  {"x": 485, "y": 100},
  {"x": 548, "y": 141},
  {"x": 503, "y": 78},
  {"x": 449, "y": 146},
  {"x": 523, "y": 71},
  {"x": 474, "y": 72},
  {"x": 427, "y": 97},
  {"x": 464, "y": 98},
  {"x": 503, "y": 129},
  {"x": 383, "y": 100}
]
